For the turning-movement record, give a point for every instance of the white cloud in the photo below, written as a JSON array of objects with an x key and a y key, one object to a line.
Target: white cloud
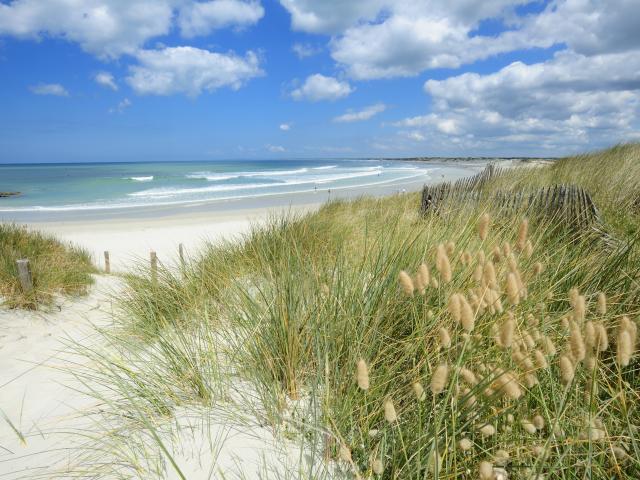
[
  {"x": 106, "y": 80},
  {"x": 285, "y": 127},
  {"x": 390, "y": 38},
  {"x": 569, "y": 101},
  {"x": 203, "y": 18},
  {"x": 54, "y": 89},
  {"x": 190, "y": 71},
  {"x": 121, "y": 107},
  {"x": 319, "y": 87},
  {"x": 275, "y": 148},
  {"x": 304, "y": 50},
  {"x": 364, "y": 114},
  {"x": 110, "y": 28},
  {"x": 329, "y": 16}
]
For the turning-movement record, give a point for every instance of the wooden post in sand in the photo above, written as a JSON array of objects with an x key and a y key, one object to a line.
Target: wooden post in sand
[
  {"x": 24, "y": 274},
  {"x": 107, "y": 263},
  {"x": 181, "y": 253},
  {"x": 154, "y": 266}
]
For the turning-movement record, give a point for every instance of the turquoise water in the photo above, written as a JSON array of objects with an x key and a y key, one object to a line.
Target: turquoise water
[{"x": 74, "y": 187}]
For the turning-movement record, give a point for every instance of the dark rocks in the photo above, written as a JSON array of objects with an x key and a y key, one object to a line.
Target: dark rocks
[{"x": 9, "y": 194}]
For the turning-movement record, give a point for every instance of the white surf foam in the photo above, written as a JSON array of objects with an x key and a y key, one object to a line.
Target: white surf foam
[{"x": 141, "y": 179}]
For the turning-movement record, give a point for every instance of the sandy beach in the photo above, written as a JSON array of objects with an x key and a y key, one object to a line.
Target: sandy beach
[
  {"x": 39, "y": 393},
  {"x": 40, "y": 401}
]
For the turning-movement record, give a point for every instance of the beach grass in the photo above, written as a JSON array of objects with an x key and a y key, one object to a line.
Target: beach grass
[
  {"x": 473, "y": 343},
  {"x": 56, "y": 267}
]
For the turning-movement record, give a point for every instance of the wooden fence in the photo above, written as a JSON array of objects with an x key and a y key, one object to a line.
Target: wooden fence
[{"x": 570, "y": 204}]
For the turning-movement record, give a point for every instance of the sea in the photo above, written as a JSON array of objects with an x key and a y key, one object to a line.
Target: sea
[{"x": 119, "y": 186}]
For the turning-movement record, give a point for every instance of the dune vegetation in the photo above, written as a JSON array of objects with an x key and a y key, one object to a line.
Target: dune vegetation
[
  {"x": 56, "y": 267},
  {"x": 471, "y": 343}
]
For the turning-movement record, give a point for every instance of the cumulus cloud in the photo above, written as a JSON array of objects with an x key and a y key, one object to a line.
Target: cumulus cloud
[
  {"x": 54, "y": 89},
  {"x": 190, "y": 71},
  {"x": 285, "y": 127},
  {"x": 203, "y": 18},
  {"x": 318, "y": 87},
  {"x": 106, "y": 80},
  {"x": 364, "y": 114},
  {"x": 304, "y": 50},
  {"x": 121, "y": 107},
  {"x": 329, "y": 16},
  {"x": 384, "y": 39},
  {"x": 570, "y": 100},
  {"x": 110, "y": 28}
]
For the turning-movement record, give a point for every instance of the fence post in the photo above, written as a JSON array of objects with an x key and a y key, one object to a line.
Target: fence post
[
  {"x": 107, "y": 263},
  {"x": 154, "y": 266},
  {"x": 24, "y": 274},
  {"x": 181, "y": 253}
]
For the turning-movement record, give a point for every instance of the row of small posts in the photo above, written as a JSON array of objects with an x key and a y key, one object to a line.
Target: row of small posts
[{"x": 26, "y": 278}]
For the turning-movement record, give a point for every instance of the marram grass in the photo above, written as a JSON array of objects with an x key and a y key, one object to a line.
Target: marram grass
[
  {"x": 515, "y": 356},
  {"x": 57, "y": 268}
]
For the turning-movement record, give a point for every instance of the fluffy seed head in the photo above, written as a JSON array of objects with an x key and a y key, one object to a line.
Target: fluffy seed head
[
  {"x": 579, "y": 309},
  {"x": 422, "y": 278},
  {"x": 434, "y": 282},
  {"x": 573, "y": 295},
  {"x": 477, "y": 274},
  {"x": 377, "y": 466},
  {"x": 443, "y": 264},
  {"x": 631, "y": 327},
  {"x": 489, "y": 275},
  {"x": 509, "y": 386},
  {"x": 576, "y": 342},
  {"x": 625, "y": 348},
  {"x": 439, "y": 378},
  {"x": 455, "y": 306},
  {"x": 528, "y": 249},
  {"x": 590, "y": 335},
  {"x": 390, "y": 414},
  {"x": 528, "y": 427},
  {"x": 487, "y": 430},
  {"x": 445, "y": 338},
  {"x": 602, "y": 303},
  {"x": 362, "y": 375},
  {"x": 537, "y": 268},
  {"x": 530, "y": 380},
  {"x": 485, "y": 469},
  {"x": 465, "y": 444},
  {"x": 496, "y": 254},
  {"x": 523, "y": 231},
  {"x": 483, "y": 226},
  {"x": 418, "y": 390},
  {"x": 567, "y": 369},
  {"x": 513, "y": 292},
  {"x": 549, "y": 347},
  {"x": 506, "y": 332},
  {"x": 541, "y": 360},
  {"x": 406, "y": 283},
  {"x": 538, "y": 422},
  {"x": 602, "y": 340},
  {"x": 467, "y": 318},
  {"x": 468, "y": 376}
]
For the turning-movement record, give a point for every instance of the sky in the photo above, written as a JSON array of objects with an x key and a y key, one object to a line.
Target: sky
[{"x": 156, "y": 80}]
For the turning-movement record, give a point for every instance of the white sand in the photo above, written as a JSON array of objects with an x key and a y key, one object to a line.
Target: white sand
[
  {"x": 35, "y": 361},
  {"x": 131, "y": 239}
]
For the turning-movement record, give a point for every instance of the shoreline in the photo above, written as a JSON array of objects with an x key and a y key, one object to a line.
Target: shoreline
[{"x": 130, "y": 234}]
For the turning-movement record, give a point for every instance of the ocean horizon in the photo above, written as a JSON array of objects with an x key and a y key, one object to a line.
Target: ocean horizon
[{"x": 67, "y": 187}]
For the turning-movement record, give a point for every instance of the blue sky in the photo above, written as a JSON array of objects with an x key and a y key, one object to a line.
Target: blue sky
[{"x": 145, "y": 80}]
